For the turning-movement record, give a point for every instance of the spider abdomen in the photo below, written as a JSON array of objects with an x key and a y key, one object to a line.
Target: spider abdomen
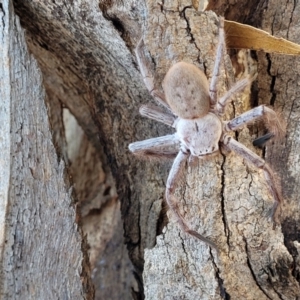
[
  {"x": 187, "y": 91},
  {"x": 200, "y": 136}
]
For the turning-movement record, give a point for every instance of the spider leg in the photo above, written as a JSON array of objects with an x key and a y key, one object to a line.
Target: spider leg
[
  {"x": 147, "y": 76},
  {"x": 219, "y": 56},
  {"x": 157, "y": 114},
  {"x": 257, "y": 161},
  {"x": 174, "y": 176},
  {"x": 261, "y": 112},
  {"x": 236, "y": 88},
  {"x": 160, "y": 147}
]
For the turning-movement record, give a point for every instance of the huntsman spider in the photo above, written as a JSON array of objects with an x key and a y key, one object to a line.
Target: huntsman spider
[{"x": 195, "y": 111}]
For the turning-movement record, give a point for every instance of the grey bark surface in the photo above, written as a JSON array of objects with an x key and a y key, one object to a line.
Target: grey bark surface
[
  {"x": 85, "y": 52},
  {"x": 43, "y": 252}
]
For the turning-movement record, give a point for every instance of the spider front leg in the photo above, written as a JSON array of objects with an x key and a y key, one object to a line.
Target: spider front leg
[
  {"x": 161, "y": 147},
  {"x": 257, "y": 161},
  {"x": 174, "y": 176},
  {"x": 147, "y": 76}
]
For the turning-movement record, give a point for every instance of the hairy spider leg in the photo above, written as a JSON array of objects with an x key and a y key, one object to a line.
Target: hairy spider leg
[
  {"x": 219, "y": 55},
  {"x": 236, "y": 88},
  {"x": 257, "y": 161},
  {"x": 157, "y": 114},
  {"x": 260, "y": 112},
  {"x": 174, "y": 176},
  {"x": 147, "y": 75},
  {"x": 160, "y": 147}
]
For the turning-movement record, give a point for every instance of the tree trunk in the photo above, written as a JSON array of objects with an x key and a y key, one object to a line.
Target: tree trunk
[
  {"x": 85, "y": 52},
  {"x": 43, "y": 252}
]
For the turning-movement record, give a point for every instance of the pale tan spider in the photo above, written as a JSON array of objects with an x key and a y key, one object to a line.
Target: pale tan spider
[{"x": 195, "y": 113}]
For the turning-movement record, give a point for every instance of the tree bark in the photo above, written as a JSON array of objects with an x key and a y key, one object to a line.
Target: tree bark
[
  {"x": 85, "y": 52},
  {"x": 43, "y": 252}
]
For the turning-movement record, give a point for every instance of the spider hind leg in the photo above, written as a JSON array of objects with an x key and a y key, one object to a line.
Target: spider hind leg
[
  {"x": 157, "y": 114},
  {"x": 219, "y": 55},
  {"x": 147, "y": 75}
]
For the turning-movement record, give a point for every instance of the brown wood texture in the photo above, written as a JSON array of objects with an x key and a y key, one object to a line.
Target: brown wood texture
[
  {"x": 85, "y": 50},
  {"x": 43, "y": 251}
]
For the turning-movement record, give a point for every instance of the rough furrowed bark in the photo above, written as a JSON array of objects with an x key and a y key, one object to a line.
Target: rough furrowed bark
[
  {"x": 43, "y": 252},
  {"x": 279, "y": 86},
  {"x": 85, "y": 51},
  {"x": 87, "y": 66}
]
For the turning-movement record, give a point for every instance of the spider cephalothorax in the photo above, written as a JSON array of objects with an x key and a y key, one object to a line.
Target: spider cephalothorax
[{"x": 195, "y": 112}]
